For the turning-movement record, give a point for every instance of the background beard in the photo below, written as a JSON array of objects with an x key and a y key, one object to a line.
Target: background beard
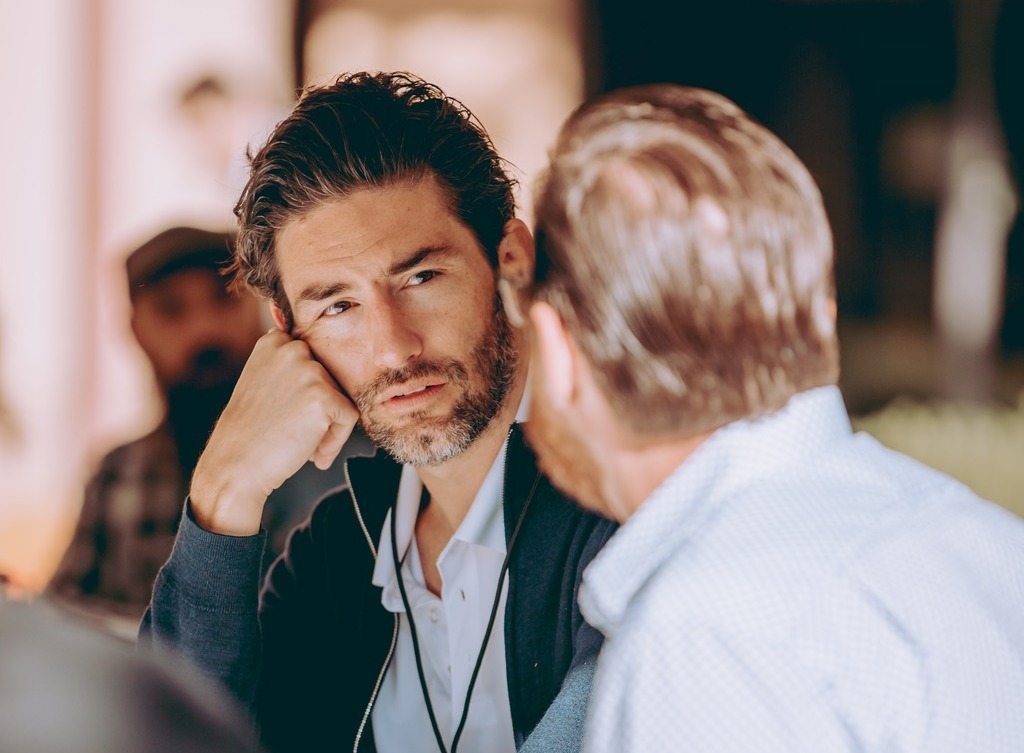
[{"x": 195, "y": 403}]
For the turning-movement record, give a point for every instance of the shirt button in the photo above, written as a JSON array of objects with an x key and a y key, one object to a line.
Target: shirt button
[{"x": 435, "y": 614}]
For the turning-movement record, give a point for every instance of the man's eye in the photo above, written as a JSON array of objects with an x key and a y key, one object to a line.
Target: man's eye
[
  {"x": 337, "y": 308},
  {"x": 421, "y": 277}
]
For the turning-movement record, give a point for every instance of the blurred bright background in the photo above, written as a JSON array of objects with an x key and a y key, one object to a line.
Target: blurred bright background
[{"x": 122, "y": 117}]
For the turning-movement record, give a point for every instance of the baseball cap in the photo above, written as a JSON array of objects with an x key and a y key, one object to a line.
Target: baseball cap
[{"x": 176, "y": 249}]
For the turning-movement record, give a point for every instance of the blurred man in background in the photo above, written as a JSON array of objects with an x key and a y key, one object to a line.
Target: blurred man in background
[
  {"x": 197, "y": 334},
  {"x": 378, "y": 219},
  {"x": 777, "y": 583}
]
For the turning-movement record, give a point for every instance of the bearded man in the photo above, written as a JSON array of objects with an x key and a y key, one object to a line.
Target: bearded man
[{"x": 433, "y": 602}]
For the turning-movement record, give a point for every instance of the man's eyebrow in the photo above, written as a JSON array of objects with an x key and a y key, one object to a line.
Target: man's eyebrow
[
  {"x": 323, "y": 291},
  {"x": 416, "y": 259}
]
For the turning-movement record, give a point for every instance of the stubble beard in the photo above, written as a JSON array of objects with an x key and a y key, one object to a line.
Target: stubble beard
[{"x": 422, "y": 439}]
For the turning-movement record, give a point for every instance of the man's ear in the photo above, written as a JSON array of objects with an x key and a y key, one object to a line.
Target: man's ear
[
  {"x": 516, "y": 254},
  {"x": 279, "y": 318},
  {"x": 554, "y": 355}
]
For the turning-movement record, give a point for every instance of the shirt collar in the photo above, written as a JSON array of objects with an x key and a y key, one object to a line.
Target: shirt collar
[{"x": 731, "y": 459}]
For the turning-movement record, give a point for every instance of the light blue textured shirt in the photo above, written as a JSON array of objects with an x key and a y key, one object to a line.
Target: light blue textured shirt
[{"x": 794, "y": 586}]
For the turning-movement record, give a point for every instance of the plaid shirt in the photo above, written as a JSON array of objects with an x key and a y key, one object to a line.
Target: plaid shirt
[{"x": 127, "y": 526}]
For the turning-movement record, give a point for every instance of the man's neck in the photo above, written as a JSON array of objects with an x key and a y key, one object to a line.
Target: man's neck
[
  {"x": 454, "y": 484},
  {"x": 635, "y": 469}
]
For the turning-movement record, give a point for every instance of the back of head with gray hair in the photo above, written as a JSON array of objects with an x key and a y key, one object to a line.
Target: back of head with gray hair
[{"x": 688, "y": 252}]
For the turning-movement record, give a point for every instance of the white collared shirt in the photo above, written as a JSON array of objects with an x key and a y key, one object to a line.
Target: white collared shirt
[
  {"x": 793, "y": 586},
  {"x": 450, "y": 629}
]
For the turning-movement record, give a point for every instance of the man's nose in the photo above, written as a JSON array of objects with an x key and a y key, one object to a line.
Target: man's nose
[{"x": 396, "y": 336}]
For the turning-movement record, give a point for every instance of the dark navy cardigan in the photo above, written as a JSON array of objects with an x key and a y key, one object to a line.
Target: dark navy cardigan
[{"x": 306, "y": 653}]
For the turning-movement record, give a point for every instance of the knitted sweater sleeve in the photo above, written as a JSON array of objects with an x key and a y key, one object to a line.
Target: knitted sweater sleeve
[{"x": 205, "y": 606}]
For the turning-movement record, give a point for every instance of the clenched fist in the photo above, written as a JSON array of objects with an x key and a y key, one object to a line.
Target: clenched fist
[{"x": 286, "y": 409}]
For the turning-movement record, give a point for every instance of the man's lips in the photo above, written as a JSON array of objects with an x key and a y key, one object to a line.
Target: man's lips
[{"x": 408, "y": 393}]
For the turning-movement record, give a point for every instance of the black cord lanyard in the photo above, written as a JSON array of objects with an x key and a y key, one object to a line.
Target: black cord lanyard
[{"x": 487, "y": 632}]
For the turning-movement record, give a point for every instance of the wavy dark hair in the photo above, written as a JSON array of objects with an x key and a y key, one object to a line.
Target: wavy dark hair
[{"x": 367, "y": 131}]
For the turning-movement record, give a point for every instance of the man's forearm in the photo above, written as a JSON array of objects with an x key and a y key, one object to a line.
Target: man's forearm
[{"x": 205, "y": 606}]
